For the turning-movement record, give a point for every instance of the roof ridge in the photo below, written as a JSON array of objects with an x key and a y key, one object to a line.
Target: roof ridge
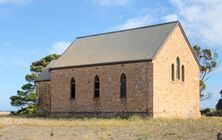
[
  {"x": 141, "y": 43},
  {"x": 136, "y": 28}
]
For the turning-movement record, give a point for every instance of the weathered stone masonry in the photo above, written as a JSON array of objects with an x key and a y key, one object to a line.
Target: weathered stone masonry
[
  {"x": 44, "y": 94},
  {"x": 150, "y": 88},
  {"x": 139, "y": 82}
]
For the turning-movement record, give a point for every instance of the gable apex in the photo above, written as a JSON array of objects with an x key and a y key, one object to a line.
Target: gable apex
[
  {"x": 186, "y": 39},
  {"x": 190, "y": 46}
]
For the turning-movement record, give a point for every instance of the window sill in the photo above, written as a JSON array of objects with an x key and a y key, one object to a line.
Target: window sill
[
  {"x": 96, "y": 99},
  {"x": 123, "y": 98},
  {"x": 177, "y": 81}
]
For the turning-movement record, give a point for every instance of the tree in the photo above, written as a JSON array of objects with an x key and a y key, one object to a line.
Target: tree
[
  {"x": 26, "y": 97},
  {"x": 219, "y": 104},
  {"x": 208, "y": 63}
]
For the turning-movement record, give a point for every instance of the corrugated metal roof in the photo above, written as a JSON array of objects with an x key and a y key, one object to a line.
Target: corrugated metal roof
[{"x": 126, "y": 45}]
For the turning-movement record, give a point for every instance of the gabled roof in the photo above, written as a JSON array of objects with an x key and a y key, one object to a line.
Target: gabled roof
[{"x": 113, "y": 47}]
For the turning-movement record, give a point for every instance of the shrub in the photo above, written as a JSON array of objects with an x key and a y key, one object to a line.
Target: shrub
[
  {"x": 205, "y": 111},
  {"x": 219, "y": 105}
]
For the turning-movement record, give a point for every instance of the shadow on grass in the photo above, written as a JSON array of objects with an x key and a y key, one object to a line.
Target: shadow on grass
[{"x": 122, "y": 116}]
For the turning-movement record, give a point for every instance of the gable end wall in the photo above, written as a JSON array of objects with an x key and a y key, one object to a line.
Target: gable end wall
[{"x": 175, "y": 98}]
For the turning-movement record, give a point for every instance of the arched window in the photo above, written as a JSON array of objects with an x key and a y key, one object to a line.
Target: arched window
[
  {"x": 172, "y": 72},
  {"x": 73, "y": 88},
  {"x": 96, "y": 87},
  {"x": 178, "y": 68},
  {"x": 123, "y": 86},
  {"x": 183, "y": 73}
]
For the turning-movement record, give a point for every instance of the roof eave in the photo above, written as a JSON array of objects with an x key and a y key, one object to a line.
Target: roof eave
[
  {"x": 37, "y": 81},
  {"x": 101, "y": 64}
]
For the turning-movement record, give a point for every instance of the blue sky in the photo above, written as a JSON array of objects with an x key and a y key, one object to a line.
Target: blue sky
[{"x": 31, "y": 29}]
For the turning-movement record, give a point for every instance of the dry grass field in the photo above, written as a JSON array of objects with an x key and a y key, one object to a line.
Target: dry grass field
[{"x": 35, "y": 128}]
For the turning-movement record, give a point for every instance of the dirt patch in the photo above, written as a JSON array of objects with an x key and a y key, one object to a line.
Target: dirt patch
[{"x": 17, "y": 128}]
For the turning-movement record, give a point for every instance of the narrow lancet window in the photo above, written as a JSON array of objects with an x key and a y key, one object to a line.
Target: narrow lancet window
[
  {"x": 123, "y": 86},
  {"x": 178, "y": 68},
  {"x": 73, "y": 88},
  {"x": 96, "y": 87},
  {"x": 172, "y": 72},
  {"x": 183, "y": 73}
]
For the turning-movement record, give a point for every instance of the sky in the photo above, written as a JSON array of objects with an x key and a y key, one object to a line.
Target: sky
[{"x": 32, "y": 29}]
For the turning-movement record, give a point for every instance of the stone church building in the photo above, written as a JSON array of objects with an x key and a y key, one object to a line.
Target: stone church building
[{"x": 150, "y": 70}]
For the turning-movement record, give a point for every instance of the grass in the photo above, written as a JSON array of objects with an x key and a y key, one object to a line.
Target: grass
[{"x": 133, "y": 127}]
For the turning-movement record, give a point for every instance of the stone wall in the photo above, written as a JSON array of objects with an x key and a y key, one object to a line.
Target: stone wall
[
  {"x": 149, "y": 86},
  {"x": 139, "y": 87},
  {"x": 43, "y": 90},
  {"x": 176, "y": 98}
]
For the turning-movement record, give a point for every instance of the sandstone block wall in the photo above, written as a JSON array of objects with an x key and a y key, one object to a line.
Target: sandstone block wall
[
  {"x": 149, "y": 85},
  {"x": 43, "y": 92},
  {"x": 175, "y": 98},
  {"x": 139, "y": 85}
]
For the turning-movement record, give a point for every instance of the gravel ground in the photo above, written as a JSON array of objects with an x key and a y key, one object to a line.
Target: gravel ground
[{"x": 20, "y": 128}]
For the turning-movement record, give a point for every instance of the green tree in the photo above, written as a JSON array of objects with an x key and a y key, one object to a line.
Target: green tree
[
  {"x": 219, "y": 104},
  {"x": 26, "y": 97},
  {"x": 208, "y": 63}
]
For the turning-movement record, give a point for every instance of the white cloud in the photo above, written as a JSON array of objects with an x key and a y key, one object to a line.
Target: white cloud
[
  {"x": 202, "y": 18},
  {"x": 171, "y": 17},
  {"x": 59, "y": 47},
  {"x": 134, "y": 22},
  {"x": 111, "y": 2},
  {"x": 13, "y": 2}
]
